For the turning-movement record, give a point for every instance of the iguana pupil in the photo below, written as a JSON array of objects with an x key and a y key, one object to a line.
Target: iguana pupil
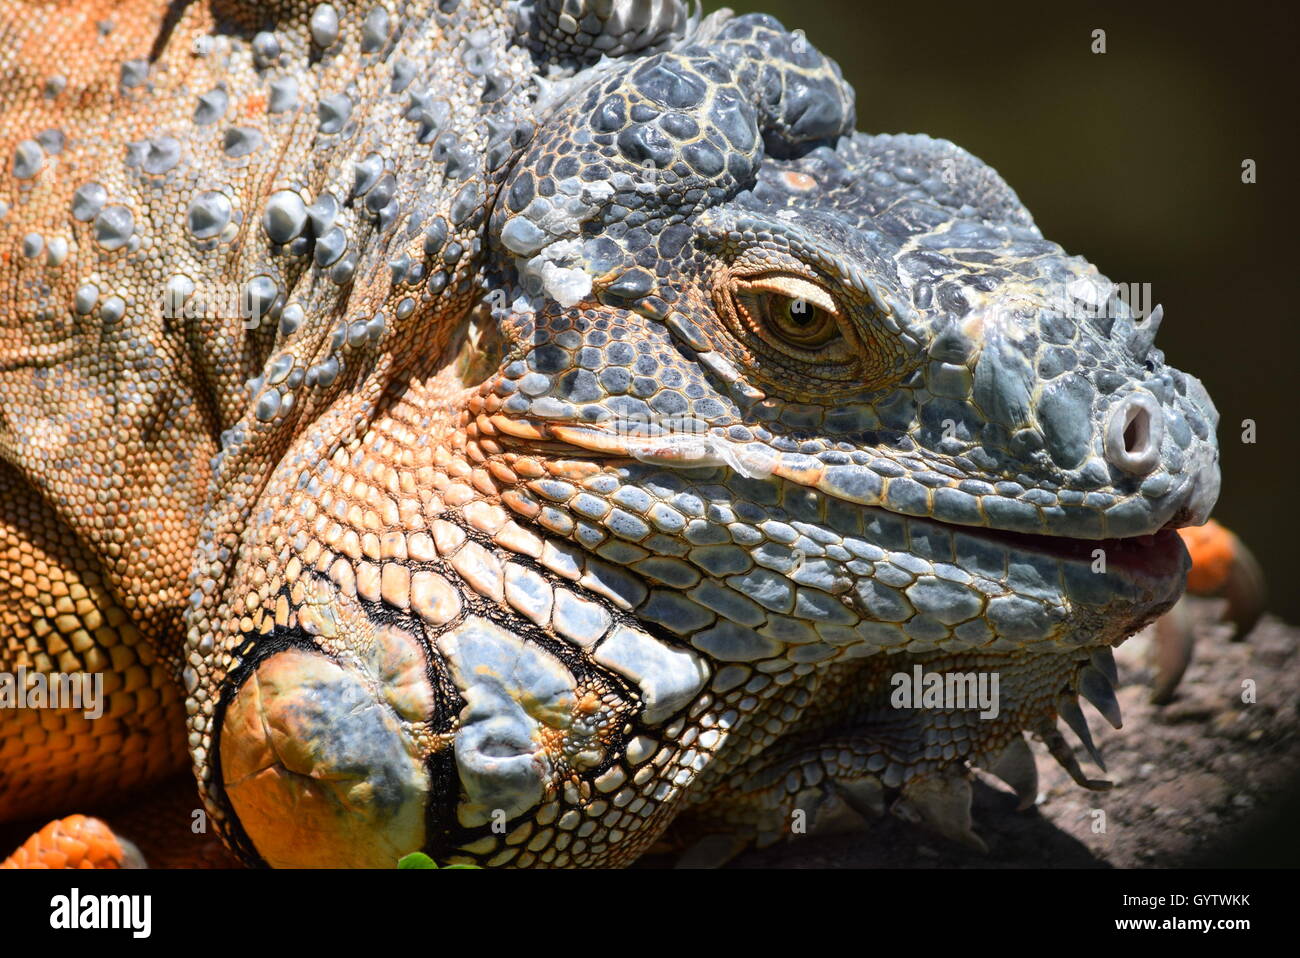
[{"x": 809, "y": 321}]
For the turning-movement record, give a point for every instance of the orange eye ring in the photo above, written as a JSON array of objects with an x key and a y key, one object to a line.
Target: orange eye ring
[{"x": 793, "y": 337}]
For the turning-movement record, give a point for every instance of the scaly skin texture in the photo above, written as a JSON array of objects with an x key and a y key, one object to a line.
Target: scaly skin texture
[{"x": 470, "y": 443}]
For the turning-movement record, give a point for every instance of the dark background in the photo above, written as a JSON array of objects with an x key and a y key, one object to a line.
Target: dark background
[{"x": 1131, "y": 158}]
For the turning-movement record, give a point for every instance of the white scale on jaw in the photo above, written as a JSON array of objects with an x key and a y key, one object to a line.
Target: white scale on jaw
[
  {"x": 753, "y": 461},
  {"x": 511, "y": 689},
  {"x": 515, "y": 691}
]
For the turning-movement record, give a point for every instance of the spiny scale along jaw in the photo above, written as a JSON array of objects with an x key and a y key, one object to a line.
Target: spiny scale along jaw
[{"x": 780, "y": 409}]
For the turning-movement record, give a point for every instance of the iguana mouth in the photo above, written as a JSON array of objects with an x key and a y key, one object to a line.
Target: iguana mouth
[{"x": 1158, "y": 555}]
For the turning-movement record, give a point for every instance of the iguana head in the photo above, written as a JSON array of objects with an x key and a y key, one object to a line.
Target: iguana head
[
  {"x": 749, "y": 399},
  {"x": 711, "y": 283}
]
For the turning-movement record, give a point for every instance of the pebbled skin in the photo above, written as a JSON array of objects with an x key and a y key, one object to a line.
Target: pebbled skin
[{"x": 458, "y": 441}]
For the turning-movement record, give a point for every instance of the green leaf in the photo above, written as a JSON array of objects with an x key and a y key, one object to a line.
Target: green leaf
[
  {"x": 421, "y": 860},
  {"x": 417, "y": 860}
]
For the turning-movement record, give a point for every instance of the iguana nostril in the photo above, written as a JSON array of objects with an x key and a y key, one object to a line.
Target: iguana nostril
[
  {"x": 1137, "y": 434},
  {"x": 1133, "y": 434}
]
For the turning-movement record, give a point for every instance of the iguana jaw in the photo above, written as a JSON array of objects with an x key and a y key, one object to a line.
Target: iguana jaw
[{"x": 1151, "y": 555}]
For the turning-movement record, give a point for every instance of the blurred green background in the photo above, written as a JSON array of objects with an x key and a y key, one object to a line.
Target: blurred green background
[{"x": 1133, "y": 159}]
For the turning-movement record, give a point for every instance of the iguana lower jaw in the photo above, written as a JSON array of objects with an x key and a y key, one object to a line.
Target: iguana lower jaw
[{"x": 904, "y": 751}]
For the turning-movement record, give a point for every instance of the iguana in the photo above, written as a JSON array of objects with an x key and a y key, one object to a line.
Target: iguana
[{"x": 500, "y": 430}]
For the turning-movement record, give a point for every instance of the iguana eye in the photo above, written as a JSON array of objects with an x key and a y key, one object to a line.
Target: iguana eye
[
  {"x": 793, "y": 314},
  {"x": 795, "y": 338},
  {"x": 799, "y": 322}
]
